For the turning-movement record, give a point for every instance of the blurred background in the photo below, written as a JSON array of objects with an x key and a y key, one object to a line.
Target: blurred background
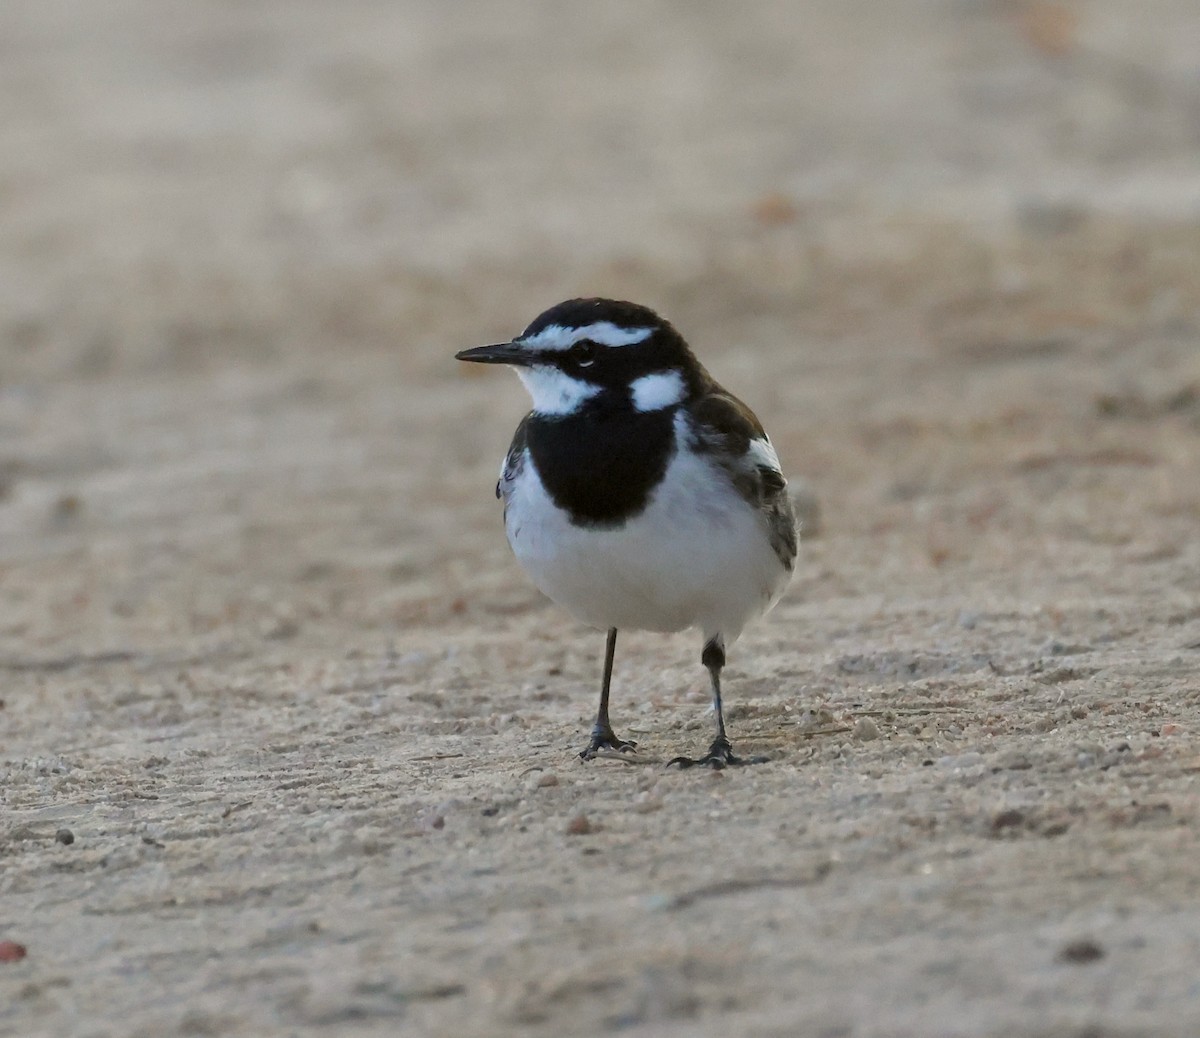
[{"x": 187, "y": 182}]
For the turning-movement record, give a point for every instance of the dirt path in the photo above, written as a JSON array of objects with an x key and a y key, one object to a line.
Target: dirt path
[{"x": 287, "y": 743}]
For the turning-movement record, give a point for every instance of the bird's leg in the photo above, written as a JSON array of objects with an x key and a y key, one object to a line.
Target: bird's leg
[
  {"x": 603, "y": 737},
  {"x": 720, "y": 753}
]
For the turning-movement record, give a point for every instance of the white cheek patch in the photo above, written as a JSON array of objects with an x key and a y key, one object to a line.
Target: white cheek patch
[
  {"x": 654, "y": 392},
  {"x": 605, "y": 333},
  {"x": 554, "y": 392}
]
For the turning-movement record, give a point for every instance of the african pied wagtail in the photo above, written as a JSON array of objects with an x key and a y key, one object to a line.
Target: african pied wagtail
[{"x": 638, "y": 493}]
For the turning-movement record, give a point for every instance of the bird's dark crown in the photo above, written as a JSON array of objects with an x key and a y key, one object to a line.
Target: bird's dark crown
[{"x": 579, "y": 313}]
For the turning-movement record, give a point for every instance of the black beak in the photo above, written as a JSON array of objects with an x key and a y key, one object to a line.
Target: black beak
[{"x": 500, "y": 353}]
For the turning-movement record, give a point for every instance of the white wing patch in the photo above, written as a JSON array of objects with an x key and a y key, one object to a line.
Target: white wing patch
[
  {"x": 557, "y": 337},
  {"x": 654, "y": 392}
]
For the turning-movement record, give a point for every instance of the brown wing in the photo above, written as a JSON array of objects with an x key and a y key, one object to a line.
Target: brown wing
[{"x": 729, "y": 432}]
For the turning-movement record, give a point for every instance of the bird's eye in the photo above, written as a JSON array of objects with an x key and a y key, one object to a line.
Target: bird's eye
[{"x": 584, "y": 352}]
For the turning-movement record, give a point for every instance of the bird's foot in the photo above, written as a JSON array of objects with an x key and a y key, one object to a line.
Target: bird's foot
[
  {"x": 720, "y": 755},
  {"x": 604, "y": 738}
]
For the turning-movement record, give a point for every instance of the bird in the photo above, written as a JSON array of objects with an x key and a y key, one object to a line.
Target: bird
[{"x": 638, "y": 493}]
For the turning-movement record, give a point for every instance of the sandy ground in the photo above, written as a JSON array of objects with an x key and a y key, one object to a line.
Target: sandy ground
[{"x": 287, "y": 743}]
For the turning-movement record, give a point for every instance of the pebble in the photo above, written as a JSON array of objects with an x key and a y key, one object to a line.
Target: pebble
[
  {"x": 540, "y": 780},
  {"x": 865, "y": 730},
  {"x": 1010, "y": 818},
  {"x": 818, "y": 718},
  {"x": 10, "y": 951},
  {"x": 65, "y": 837},
  {"x": 646, "y": 802},
  {"x": 579, "y": 825},
  {"x": 1081, "y": 951}
]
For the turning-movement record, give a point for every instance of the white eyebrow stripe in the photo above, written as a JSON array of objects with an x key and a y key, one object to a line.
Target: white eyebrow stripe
[
  {"x": 656, "y": 391},
  {"x": 557, "y": 337}
]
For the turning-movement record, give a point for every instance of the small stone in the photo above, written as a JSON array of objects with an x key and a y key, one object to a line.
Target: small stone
[
  {"x": 579, "y": 825},
  {"x": 279, "y": 628},
  {"x": 811, "y": 719},
  {"x": 646, "y": 802},
  {"x": 1081, "y": 951},
  {"x": 540, "y": 780},
  {"x": 1055, "y": 826},
  {"x": 1008, "y": 819},
  {"x": 65, "y": 837},
  {"x": 774, "y": 209},
  {"x": 66, "y": 508},
  {"x": 10, "y": 951},
  {"x": 865, "y": 730}
]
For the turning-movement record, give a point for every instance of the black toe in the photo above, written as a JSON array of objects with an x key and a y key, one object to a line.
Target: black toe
[
  {"x": 606, "y": 739},
  {"x": 720, "y": 755}
]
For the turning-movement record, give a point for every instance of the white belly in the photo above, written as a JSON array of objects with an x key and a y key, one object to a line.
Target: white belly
[{"x": 697, "y": 556}]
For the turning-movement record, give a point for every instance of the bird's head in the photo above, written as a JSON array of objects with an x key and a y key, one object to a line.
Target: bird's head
[{"x": 601, "y": 350}]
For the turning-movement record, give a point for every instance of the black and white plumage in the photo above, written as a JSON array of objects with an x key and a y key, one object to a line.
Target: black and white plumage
[{"x": 638, "y": 493}]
